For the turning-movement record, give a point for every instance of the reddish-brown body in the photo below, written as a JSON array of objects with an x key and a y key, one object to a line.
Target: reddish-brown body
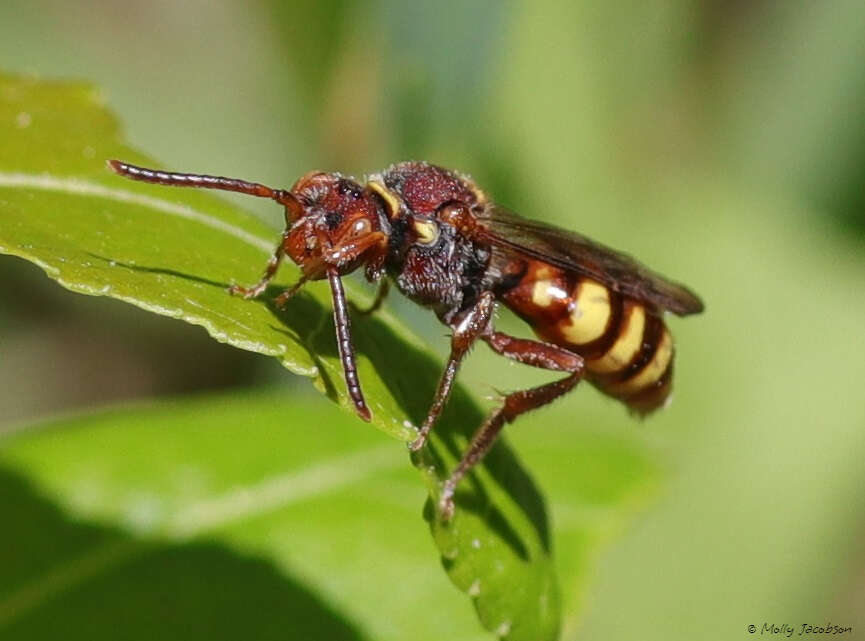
[
  {"x": 446, "y": 246},
  {"x": 627, "y": 348}
]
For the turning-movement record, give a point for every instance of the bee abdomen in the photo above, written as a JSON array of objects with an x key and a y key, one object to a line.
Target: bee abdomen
[
  {"x": 627, "y": 348},
  {"x": 637, "y": 369}
]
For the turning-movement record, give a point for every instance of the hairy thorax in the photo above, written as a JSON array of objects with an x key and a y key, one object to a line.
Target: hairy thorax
[{"x": 447, "y": 276}]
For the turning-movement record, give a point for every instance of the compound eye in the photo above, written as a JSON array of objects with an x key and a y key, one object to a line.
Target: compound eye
[{"x": 427, "y": 231}]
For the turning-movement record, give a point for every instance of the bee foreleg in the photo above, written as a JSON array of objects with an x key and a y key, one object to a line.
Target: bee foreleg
[
  {"x": 465, "y": 332},
  {"x": 529, "y": 352},
  {"x": 269, "y": 272},
  {"x": 288, "y": 294}
]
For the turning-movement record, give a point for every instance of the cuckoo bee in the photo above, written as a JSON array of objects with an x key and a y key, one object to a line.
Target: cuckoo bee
[{"x": 446, "y": 246}]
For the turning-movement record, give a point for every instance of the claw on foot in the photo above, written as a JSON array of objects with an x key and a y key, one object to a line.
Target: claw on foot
[
  {"x": 446, "y": 507},
  {"x": 245, "y": 292},
  {"x": 417, "y": 444}
]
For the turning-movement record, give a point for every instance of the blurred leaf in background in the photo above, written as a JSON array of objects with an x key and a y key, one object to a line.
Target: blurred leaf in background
[{"x": 719, "y": 142}]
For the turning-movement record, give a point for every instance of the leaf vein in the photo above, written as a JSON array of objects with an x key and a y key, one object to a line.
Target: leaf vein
[{"x": 280, "y": 491}]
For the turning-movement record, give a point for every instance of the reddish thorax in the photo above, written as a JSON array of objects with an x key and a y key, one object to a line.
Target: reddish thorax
[{"x": 424, "y": 188}]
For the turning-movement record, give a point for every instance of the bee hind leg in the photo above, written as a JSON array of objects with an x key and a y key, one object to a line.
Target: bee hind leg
[{"x": 528, "y": 352}]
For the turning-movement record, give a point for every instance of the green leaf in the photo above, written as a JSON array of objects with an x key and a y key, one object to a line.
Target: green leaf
[
  {"x": 239, "y": 516},
  {"x": 223, "y": 517},
  {"x": 174, "y": 252}
]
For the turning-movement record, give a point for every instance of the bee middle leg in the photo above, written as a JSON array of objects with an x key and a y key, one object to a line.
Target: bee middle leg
[
  {"x": 529, "y": 352},
  {"x": 465, "y": 332}
]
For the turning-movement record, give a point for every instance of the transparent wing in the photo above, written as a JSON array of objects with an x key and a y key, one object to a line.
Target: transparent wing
[{"x": 576, "y": 253}]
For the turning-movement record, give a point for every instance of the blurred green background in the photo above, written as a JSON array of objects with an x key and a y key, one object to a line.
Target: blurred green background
[{"x": 721, "y": 142}]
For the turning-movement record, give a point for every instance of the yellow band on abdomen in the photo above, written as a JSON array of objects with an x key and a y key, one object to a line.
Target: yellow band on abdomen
[
  {"x": 652, "y": 371},
  {"x": 627, "y": 345},
  {"x": 544, "y": 292},
  {"x": 590, "y": 314}
]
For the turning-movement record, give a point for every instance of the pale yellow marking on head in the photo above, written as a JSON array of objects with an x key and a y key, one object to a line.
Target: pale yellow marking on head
[
  {"x": 427, "y": 232},
  {"x": 390, "y": 198},
  {"x": 590, "y": 314},
  {"x": 545, "y": 291},
  {"x": 626, "y": 346},
  {"x": 651, "y": 372}
]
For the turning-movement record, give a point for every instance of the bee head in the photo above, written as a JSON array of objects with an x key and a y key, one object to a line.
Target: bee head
[{"x": 332, "y": 224}]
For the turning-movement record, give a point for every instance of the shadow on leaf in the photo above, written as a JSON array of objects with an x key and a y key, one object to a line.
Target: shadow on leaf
[
  {"x": 74, "y": 580},
  {"x": 411, "y": 379}
]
